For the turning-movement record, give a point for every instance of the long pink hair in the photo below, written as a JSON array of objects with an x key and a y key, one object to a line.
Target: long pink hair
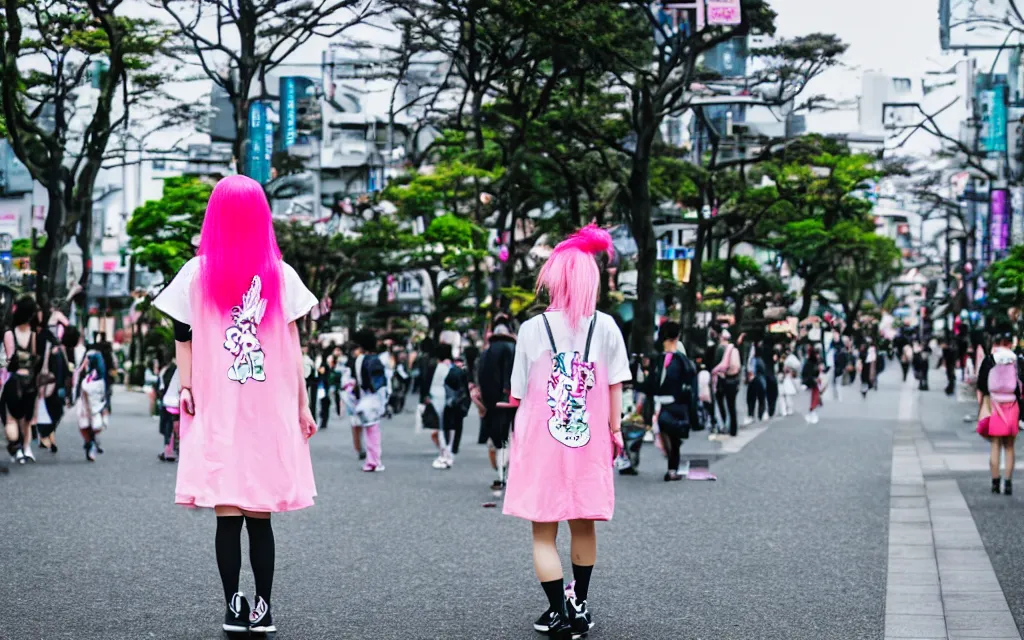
[
  {"x": 238, "y": 243},
  {"x": 571, "y": 275}
]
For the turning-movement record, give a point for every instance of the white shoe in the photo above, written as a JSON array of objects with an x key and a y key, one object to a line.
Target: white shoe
[
  {"x": 748, "y": 421},
  {"x": 29, "y": 456},
  {"x": 438, "y": 463},
  {"x": 19, "y": 456}
]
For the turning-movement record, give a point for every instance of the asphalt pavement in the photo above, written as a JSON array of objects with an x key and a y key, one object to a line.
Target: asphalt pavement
[{"x": 790, "y": 542}]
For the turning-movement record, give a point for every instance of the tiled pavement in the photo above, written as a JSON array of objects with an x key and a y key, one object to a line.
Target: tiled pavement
[{"x": 940, "y": 581}]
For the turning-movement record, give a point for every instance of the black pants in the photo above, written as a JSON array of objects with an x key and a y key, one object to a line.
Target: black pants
[
  {"x": 728, "y": 389},
  {"x": 772, "y": 394},
  {"x": 453, "y": 420},
  {"x": 709, "y": 408},
  {"x": 311, "y": 392},
  {"x": 906, "y": 369},
  {"x": 950, "y": 381},
  {"x": 673, "y": 442},
  {"x": 757, "y": 398},
  {"x": 325, "y": 410}
]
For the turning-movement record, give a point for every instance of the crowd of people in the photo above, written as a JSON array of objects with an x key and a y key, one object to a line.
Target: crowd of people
[
  {"x": 48, "y": 368},
  {"x": 561, "y": 403}
]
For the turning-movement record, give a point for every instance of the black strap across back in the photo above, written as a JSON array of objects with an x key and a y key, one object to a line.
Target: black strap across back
[{"x": 590, "y": 335}]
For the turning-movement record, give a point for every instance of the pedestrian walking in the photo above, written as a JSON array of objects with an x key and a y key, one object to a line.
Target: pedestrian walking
[
  {"x": 567, "y": 380},
  {"x": 810, "y": 378},
  {"x": 757, "y": 387},
  {"x": 494, "y": 381},
  {"x": 726, "y": 380},
  {"x": 371, "y": 397},
  {"x": 53, "y": 381},
  {"x": 771, "y": 379},
  {"x": 672, "y": 387},
  {"x": 999, "y": 383},
  {"x": 91, "y": 405},
  {"x": 246, "y": 418},
  {"x": 169, "y": 389},
  {"x": 791, "y": 368},
  {"x": 920, "y": 363},
  {"x": 948, "y": 362},
  {"x": 868, "y": 367},
  {"x": 21, "y": 390}
]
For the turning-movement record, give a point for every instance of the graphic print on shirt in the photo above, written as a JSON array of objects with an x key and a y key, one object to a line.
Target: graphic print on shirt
[
  {"x": 240, "y": 339},
  {"x": 571, "y": 379}
]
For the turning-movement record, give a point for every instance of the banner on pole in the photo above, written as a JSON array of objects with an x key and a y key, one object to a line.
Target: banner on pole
[{"x": 999, "y": 223}]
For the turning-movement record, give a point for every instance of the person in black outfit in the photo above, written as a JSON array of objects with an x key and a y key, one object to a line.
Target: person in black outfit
[
  {"x": 768, "y": 357},
  {"x": 494, "y": 380},
  {"x": 672, "y": 387},
  {"x": 949, "y": 360}
]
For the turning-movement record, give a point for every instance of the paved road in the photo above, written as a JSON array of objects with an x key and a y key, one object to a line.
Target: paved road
[{"x": 790, "y": 543}]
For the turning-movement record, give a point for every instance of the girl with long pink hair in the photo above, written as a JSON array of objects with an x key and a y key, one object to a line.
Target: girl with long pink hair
[
  {"x": 245, "y": 417},
  {"x": 570, "y": 363}
]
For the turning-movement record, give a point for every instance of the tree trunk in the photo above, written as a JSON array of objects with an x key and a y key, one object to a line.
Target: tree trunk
[
  {"x": 642, "y": 338},
  {"x": 808, "y": 300}
]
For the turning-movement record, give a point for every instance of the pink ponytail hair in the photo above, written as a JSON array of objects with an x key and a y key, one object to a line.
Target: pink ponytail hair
[{"x": 571, "y": 275}]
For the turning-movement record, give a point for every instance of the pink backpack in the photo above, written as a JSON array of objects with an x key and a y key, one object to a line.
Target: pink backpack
[{"x": 1002, "y": 378}]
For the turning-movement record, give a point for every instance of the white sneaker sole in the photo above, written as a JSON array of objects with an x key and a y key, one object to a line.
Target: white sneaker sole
[
  {"x": 233, "y": 628},
  {"x": 270, "y": 629}
]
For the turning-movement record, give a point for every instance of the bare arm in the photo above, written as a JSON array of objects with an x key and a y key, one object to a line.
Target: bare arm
[
  {"x": 183, "y": 354},
  {"x": 9, "y": 344},
  {"x": 293, "y": 333},
  {"x": 615, "y": 411}
]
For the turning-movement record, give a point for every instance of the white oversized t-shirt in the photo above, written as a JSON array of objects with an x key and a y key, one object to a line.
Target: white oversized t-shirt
[
  {"x": 175, "y": 300},
  {"x": 607, "y": 346}
]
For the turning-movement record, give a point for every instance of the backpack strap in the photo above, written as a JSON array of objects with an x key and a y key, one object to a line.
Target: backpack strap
[
  {"x": 551, "y": 336},
  {"x": 590, "y": 336}
]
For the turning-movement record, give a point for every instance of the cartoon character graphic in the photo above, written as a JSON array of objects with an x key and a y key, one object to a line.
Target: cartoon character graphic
[
  {"x": 240, "y": 338},
  {"x": 571, "y": 379}
]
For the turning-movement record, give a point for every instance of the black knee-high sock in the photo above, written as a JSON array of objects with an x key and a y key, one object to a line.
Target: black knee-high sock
[
  {"x": 261, "y": 554},
  {"x": 555, "y": 591},
  {"x": 229, "y": 552},
  {"x": 581, "y": 575}
]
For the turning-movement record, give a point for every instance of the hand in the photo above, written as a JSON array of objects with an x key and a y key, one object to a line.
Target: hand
[
  {"x": 306, "y": 422},
  {"x": 187, "y": 402},
  {"x": 620, "y": 446}
]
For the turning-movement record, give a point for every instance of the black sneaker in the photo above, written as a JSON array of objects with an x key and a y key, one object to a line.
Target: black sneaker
[
  {"x": 582, "y": 621},
  {"x": 1007, "y": 487},
  {"x": 260, "y": 620},
  {"x": 236, "y": 619},
  {"x": 552, "y": 623}
]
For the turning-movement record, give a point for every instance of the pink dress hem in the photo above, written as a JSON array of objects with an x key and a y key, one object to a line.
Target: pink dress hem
[{"x": 192, "y": 502}]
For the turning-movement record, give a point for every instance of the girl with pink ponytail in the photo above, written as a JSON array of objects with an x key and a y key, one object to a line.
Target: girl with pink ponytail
[
  {"x": 567, "y": 378},
  {"x": 245, "y": 418}
]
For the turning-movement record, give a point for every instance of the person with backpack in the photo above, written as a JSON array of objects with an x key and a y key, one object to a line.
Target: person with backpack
[
  {"x": 672, "y": 388},
  {"x": 434, "y": 399},
  {"x": 371, "y": 393},
  {"x": 457, "y": 402},
  {"x": 570, "y": 366},
  {"x": 726, "y": 380},
  {"x": 494, "y": 380},
  {"x": 999, "y": 386}
]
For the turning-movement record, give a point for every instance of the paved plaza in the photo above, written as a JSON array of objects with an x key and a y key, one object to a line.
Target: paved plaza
[{"x": 875, "y": 523}]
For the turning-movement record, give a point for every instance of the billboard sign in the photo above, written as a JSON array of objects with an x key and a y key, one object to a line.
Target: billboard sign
[
  {"x": 685, "y": 18},
  {"x": 999, "y": 222},
  {"x": 1016, "y": 215},
  {"x": 724, "y": 12},
  {"x": 992, "y": 110},
  {"x": 261, "y": 142},
  {"x": 300, "y": 111}
]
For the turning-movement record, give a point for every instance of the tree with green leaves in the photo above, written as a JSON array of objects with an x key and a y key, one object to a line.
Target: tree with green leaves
[
  {"x": 658, "y": 71},
  {"x": 162, "y": 232},
  {"x": 62, "y": 146},
  {"x": 1005, "y": 279},
  {"x": 861, "y": 260}
]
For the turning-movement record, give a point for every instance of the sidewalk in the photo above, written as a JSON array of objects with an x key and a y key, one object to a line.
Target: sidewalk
[{"x": 941, "y": 582}]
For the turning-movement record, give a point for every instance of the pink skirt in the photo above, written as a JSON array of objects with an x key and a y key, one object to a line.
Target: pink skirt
[{"x": 1004, "y": 420}]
